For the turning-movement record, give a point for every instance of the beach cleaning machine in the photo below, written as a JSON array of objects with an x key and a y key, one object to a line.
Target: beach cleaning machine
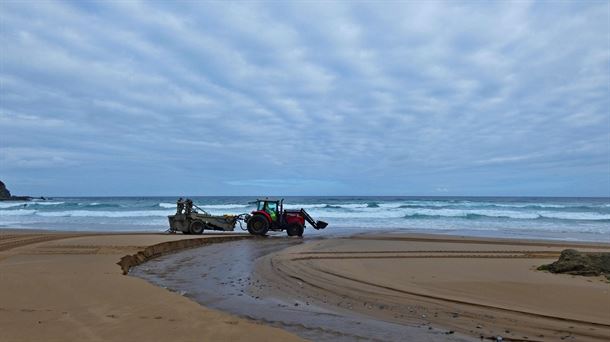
[{"x": 269, "y": 215}]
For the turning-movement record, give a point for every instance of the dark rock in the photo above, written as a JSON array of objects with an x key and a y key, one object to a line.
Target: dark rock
[
  {"x": 574, "y": 262},
  {"x": 4, "y": 193}
]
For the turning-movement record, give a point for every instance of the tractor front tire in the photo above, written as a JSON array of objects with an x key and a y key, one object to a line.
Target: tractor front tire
[
  {"x": 197, "y": 227},
  {"x": 295, "y": 229},
  {"x": 258, "y": 225}
]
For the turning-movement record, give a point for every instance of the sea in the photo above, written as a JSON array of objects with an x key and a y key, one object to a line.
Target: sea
[{"x": 565, "y": 218}]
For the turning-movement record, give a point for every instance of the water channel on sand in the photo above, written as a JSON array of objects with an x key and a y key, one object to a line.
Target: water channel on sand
[{"x": 219, "y": 276}]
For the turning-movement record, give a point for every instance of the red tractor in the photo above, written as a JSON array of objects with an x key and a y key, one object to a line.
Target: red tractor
[{"x": 271, "y": 215}]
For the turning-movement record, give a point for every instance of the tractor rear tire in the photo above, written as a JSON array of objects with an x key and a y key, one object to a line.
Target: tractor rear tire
[
  {"x": 258, "y": 225},
  {"x": 295, "y": 229},
  {"x": 197, "y": 227}
]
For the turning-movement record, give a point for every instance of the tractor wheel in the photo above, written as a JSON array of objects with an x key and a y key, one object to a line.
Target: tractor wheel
[
  {"x": 258, "y": 225},
  {"x": 295, "y": 229},
  {"x": 197, "y": 227}
]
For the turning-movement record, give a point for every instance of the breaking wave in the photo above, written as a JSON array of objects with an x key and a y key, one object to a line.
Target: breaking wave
[
  {"x": 17, "y": 212},
  {"x": 207, "y": 206},
  {"x": 508, "y": 215},
  {"x": 94, "y": 213},
  {"x": 29, "y": 204}
]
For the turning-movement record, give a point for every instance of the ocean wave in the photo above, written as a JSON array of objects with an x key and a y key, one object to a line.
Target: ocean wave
[
  {"x": 480, "y": 214},
  {"x": 207, "y": 206},
  {"x": 17, "y": 212},
  {"x": 472, "y": 206},
  {"x": 4, "y": 205},
  {"x": 307, "y": 206},
  {"x": 224, "y": 206},
  {"x": 575, "y": 216},
  {"x": 355, "y": 214},
  {"x": 350, "y": 206},
  {"x": 46, "y": 203},
  {"x": 99, "y": 205},
  {"x": 99, "y": 213}
]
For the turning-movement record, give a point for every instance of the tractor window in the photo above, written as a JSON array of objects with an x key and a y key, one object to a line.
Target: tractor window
[
  {"x": 271, "y": 209},
  {"x": 271, "y": 206}
]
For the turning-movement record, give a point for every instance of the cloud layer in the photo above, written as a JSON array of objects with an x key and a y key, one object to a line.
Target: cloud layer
[{"x": 448, "y": 98}]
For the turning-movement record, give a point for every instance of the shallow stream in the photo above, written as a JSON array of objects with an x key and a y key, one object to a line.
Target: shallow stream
[{"x": 219, "y": 276}]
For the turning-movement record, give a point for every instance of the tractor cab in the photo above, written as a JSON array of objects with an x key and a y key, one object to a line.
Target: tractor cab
[{"x": 273, "y": 208}]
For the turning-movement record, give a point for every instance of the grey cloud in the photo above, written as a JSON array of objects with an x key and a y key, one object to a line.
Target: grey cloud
[{"x": 366, "y": 95}]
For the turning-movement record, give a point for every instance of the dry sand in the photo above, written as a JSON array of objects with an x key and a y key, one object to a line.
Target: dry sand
[
  {"x": 68, "y": 287},
  {"x": 479, "y": 287}
]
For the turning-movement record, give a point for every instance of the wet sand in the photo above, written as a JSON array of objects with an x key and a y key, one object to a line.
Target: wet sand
[
  {"x": 222, "y": 276},
  {"x": 394, "y": 287},
  {"x": 483, "y": 288},
  {"x": 68, "y": 287}
]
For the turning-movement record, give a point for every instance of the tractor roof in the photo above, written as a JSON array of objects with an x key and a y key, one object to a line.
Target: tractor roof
[{"x": 268, "y": 200}]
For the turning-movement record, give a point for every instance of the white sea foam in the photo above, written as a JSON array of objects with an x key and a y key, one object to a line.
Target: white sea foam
[
  {"x": 95, "y": 213},
  {"x": 208, "y": 206},
  {"x": 17, "y": 212},
  {"x": 457, "y": 213},
  {"x": 327, "y": 206},
  {"x": 307, "y": 206},
  {"x": 4, "y": 205},
  {"x": 575, "y": 216},
  {"x": 48, "y": 203},
  {"x": 223, "y": 206}
]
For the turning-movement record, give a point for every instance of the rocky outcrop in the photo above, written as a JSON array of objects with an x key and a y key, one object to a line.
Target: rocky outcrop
[
  {"x": 574, "y": 262},
  {"x": 4, "y": 193}
]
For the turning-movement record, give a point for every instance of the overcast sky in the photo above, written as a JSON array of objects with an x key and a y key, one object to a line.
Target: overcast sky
[{"x": 307, "y": 98}]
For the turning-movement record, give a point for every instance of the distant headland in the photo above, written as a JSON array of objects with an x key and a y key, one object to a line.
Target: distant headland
[{"x": 5, "y": 195}]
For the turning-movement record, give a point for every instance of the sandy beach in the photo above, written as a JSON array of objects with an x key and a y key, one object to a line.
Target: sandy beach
[
  {"x": 482, "y": 288},
  {"x": 70, "y": 287}
]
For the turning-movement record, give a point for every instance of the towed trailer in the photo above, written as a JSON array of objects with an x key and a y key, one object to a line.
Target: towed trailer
[
  {"x": 269, "y": 215},
  {"x": 196, "y": 223},
  {"x": 190, "y": 219}
]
